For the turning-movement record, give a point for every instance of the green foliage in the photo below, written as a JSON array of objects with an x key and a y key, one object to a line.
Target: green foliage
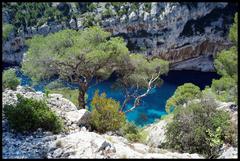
[
  {"x": 55, "y": 84},
  {"x": 10, "y": 79},
  {"x": 105, "y": 115},
  {"x": 133, "y": 133},
  {"x": 76, "y": 56},
  {"x": 116, "y": 5},
  {"x": 225, "y": 89},
  {"x": 226, "y": 65},
  {"x": 233, "y": 33},
  {"x": 226, "y": 62},
  {"x": 143, "y": 70},
  {"x": 30, "y": 114},
  {"x": 182, "y": 95},
  {"x": 147, "y": 7},
  {"x": 89, "y": 20},
  {"x": 6, "y": 30},
  {"x": 70, "y": 94},
  {"x": 91, "y": 7},
  {"x": 189, "y": 130},
  {"x": 215, "y": 141},
  {"x": 31, "y": 14},
  {"x": 134, "y": 6},
  {"x": 107, "y": 13}
]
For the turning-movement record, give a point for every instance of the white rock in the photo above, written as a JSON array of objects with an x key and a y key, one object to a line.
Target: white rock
[
  {"x": 72, "y": 24},
  {"x": 229, "y": 153},
  {"x": 79, "y": 117},
  {"x": 44, "y": 29},
  {"x": 156, "y": 133},
  {"x": 133, "y": 16}
]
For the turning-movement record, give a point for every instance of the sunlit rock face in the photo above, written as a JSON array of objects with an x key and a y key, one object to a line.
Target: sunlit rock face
[
  {"x": 173, "y": 31},
  {"x": 177, "y": 32}
]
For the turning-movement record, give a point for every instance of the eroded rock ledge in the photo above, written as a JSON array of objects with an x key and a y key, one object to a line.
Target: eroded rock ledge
[{"x": 176, "y": 32}]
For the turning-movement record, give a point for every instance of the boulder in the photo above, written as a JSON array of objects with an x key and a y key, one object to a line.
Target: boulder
[
  {"x": 81, "y": 145},
  {"x": 55, "y": 28},
  {"x": 79, "y": 117},
  {"x": 44, "y": 29},
  {"x": 79, "y": 23},
  {"x": 229, "y": 153},
  {"x": 72, "y": 24},
  {"x": 156, "y": 134},
  {"x": 154, "y": 9},
  {"x": 133, "y": 16}
]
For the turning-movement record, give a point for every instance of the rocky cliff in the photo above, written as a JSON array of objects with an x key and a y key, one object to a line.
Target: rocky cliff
[{"x": 186, "y": 34}]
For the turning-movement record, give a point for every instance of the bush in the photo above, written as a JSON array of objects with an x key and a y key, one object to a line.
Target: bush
[
  {"x": 192, "y": 128},
  {"x": 182, "y": 95},
  {"x": 30, "y": 114},
  {"x": 105, "y": 115},
  {"x": 55, "y": 84},
  {"x": 147, "y": 7},
  {"x": 6, "y": 30},
  {"x": 10, "y": 79},
  {"x": 225, "y": 89},
  {"x": 133, "y": 133},
  {"x": 107, "y": 13},
  {"x": 70, "y": 94}
]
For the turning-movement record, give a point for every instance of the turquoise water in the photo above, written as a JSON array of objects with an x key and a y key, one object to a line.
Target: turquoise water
[{"x": 153, "y": 105}]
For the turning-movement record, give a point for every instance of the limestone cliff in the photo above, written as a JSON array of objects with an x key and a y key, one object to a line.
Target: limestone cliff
[{"x": 186, "y": 34}]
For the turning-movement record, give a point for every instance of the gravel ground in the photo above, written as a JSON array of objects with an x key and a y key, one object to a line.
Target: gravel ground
[{"x": 16, "y": 145}]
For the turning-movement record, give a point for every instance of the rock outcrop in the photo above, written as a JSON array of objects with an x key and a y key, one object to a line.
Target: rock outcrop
[
  {"x": 229, "y": 153},
  {"x": 182, "y": 33},
  {"x": 156, "y": 133},
  {"x": 77, "y": 142},
  {"x": 86, "y": 144}
]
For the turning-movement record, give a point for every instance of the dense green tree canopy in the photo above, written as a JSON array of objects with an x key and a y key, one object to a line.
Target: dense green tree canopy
[
  {"x": 76, "y": 56},
  {"x": 182, "y": 95}
]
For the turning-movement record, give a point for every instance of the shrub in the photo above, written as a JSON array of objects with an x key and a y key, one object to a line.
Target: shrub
[
  {"x": 55, "y": 84},
  {"x": 182, "y": 95},
  {"x": 191, "y": 127},
  {"x": 105, "y": 115},
  {"x": 225, "y": 89},
  {"x": 133, "y": 133},
  {"x": 70, "y": 94},
  {"x": 147, "y": 7},
  {"x": 30, "y": 114},
  {"x": 6, "y": 30},
  {"x": 107, "y": 13},
  {"x": 10, "y": 79}
]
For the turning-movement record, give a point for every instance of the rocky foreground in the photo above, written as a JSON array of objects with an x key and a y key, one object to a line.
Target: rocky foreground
[{"x": 79, "y": 141}]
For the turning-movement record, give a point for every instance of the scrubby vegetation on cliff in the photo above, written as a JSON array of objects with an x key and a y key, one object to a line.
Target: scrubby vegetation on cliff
[
  {"x": 226, "y": 65},
  {"x": 197, "y": 124},
  {"x": 200, "y": 128},
  {"x": 29, "y": 114},
  {"x": 10, "y": 79}
]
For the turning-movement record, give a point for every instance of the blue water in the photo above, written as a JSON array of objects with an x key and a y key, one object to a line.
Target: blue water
[{"x": 153, "y": 105}]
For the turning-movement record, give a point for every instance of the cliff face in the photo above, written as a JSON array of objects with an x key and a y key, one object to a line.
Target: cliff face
[{"x": 186, "y": 34}]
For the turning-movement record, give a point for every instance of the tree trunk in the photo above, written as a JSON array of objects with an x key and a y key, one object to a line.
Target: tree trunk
[
  {"x": 81, "y": 96},
  {"x": 81, "y": 99}
]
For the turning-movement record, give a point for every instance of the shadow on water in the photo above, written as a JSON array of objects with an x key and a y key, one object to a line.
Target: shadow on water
[{"x": 153, "y": 105}]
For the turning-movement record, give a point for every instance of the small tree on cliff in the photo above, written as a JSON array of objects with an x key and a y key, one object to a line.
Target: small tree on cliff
[
  {"x": 139, "y": 76},
  {"x": 76, "y": 56}
]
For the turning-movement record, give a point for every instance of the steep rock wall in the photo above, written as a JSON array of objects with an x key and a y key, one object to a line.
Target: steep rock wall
[{"x": 176, "y": 32}]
